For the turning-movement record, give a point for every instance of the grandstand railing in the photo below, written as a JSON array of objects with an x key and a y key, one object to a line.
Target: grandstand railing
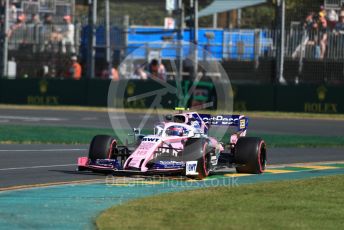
[
  {"x": 244, "y": 45},
  {"x": 57, "y": 8},
  {"x": 333, "y": 4},
  {"x": 232, "y": 44},
  {"x": 307, "y": 44},
  {"x": 40, "y": 37},
  {"x": 256, "y": 48}
]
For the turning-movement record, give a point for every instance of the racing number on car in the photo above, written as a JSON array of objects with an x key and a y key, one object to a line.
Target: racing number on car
[{"x": 169, "y": 151}]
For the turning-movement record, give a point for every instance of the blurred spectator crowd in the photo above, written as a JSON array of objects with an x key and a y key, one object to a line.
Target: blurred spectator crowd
[
  {"x": 33, "y": 30},
  {"x": 43, "y": 32},
  {"x": 41, "y": 38},
  {"x": 38, "y": 30},
  {"x": 324, "y": 34}
]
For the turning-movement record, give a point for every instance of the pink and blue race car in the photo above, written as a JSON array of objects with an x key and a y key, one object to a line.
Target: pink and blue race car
[{"x": 180, "y": 146}]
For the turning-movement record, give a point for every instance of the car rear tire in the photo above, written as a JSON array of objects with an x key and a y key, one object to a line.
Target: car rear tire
[
  {"x": 251, "y": 153},
  {"x": 100, "y": 147}
]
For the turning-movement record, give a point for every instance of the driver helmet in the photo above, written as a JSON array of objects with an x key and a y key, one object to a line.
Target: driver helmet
[{"x": 174, "y": 131}]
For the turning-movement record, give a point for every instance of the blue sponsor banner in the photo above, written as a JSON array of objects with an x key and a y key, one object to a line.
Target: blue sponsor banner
[
  {"x": 223, "y": 44},
  {"x": 226, "y": 120}
]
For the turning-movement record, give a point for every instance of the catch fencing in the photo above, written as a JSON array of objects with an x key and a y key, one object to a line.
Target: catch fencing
[{"x": 248, "y": 55}]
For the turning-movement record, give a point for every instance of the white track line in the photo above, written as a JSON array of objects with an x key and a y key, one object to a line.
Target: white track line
[
  {"x": 41, "y": 150},
  {"x": 27, "y": 118},
  {"x": 37, "y": 167}
]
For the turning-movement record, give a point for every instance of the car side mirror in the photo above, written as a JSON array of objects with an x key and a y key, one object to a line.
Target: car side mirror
[{"x": 137, "y": 131}]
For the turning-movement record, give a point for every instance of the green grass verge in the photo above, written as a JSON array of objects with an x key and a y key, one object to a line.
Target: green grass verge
[
  {"x": 273, "y": 140},
  {"x": 291, "y": 115},
  {"x": 75, "y": 135},
  {"x": 303, "y": 204},
  {"x": 49, "y": 135}
]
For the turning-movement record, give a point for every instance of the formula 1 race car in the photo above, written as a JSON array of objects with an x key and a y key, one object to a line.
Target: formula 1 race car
[{"x": 180, "y": 145}]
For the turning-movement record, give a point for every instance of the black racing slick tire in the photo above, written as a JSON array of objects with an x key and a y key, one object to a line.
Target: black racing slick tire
[
  {"x": 250, "y": 152},
  {"x": 100, "y": 147},
  {"x": 198, "y": 148},
  {"x": 204, "y": 164}
]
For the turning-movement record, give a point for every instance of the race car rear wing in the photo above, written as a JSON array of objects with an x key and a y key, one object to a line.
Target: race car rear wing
[{"x": 239, "y": 121}]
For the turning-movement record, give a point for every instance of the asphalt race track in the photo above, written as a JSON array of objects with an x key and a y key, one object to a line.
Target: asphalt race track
[
  {"x": 38, "y": 164},
  {"x": 41, "y": 164},
  {"x": 41, "y": 189},
  {"x": 101, "y": 120}
]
